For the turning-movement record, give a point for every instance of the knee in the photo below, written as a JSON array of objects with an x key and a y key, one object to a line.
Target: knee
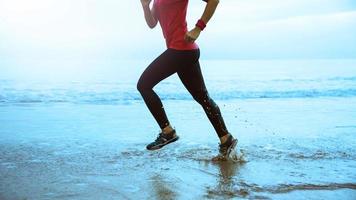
[
  {"x": 140, "y": 86},
  {"x": 144, "y": 87},
  {"x": 204, "y": 99}
]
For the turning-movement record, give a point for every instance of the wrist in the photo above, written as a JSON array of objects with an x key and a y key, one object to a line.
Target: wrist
[
  {"x": 200, "y": 25},
  {"x": 197, "y": 29}
]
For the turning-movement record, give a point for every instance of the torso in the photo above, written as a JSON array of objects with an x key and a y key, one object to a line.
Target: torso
[{"x": 171, "y": 15}]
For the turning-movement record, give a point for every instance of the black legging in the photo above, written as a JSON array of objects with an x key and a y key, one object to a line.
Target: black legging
[{"x": 186, "y": 64}]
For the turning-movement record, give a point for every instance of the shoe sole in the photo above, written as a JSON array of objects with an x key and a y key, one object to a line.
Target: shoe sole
[{"x": 164, "y": 144}]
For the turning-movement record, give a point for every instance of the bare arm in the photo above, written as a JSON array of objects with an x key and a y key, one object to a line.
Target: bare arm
[
  {"x": 149, "y": 13},
  {"x": 209, "y": 11}
]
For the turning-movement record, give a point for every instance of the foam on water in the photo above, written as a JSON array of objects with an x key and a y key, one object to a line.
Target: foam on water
[
  {"x": 226, "y": 80},
  {"x": 123, "y": 93}
]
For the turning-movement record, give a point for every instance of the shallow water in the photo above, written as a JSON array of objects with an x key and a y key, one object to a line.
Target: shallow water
[
  {"x": 91, "y": 144},
  {"x": 84, "y": 151}
]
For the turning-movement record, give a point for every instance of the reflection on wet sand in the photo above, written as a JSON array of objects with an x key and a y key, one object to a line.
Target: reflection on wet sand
[
  {"x": 226, "y": 186},
  {"x": 91, "y": 168},
  {"x": 162, "y": 189}
]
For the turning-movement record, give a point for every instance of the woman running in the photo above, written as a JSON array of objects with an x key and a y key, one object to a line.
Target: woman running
[{"x": 181, "y": 57}]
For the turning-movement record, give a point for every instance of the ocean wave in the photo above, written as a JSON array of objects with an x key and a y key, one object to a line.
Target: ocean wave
[
  {"x": 121, "y": 92},
  {"x": 97, "y": 97}
]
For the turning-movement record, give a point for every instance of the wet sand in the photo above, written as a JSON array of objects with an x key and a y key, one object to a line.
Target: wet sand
[{"x": 295, "y": 149}]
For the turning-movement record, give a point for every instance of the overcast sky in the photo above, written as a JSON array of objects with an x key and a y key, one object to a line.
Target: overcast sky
[{"x": 70, "y": 31}]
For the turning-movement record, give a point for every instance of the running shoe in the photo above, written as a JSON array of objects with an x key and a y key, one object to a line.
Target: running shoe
[
  {"x": 162, "y": 140},
  {"x": 226, "y": 148}
]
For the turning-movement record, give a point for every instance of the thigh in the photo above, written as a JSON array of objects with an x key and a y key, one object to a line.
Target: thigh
[
  {"x": 192, "y": 78},
  {"x": 162, "y": 67}
]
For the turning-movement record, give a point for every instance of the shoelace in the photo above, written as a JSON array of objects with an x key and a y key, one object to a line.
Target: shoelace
[{"x": 160, "y": 136}]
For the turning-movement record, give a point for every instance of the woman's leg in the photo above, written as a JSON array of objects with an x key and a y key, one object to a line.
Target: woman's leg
[
  {"x": 191, "y": 76},
  {"x": 162, "y": 67}
]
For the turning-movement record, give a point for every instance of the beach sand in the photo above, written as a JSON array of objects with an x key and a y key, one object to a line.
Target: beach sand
[{"x": 295, "y": 149}]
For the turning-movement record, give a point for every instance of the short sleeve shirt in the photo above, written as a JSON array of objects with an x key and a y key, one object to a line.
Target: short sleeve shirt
[{"x": 171, "y": 15}]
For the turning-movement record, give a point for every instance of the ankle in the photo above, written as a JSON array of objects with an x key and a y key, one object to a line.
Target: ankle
[
  {"x": 167, "y": 129},
  {"x": 224, "y": 138}
]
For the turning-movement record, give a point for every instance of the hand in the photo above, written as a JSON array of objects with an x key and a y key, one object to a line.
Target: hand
[
  {"x": 192, "y": 35},
  {"x": 145, "y": 2}
]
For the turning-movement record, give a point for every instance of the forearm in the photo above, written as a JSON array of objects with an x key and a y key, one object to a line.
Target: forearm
[
  {"x": 209, "y": 10},
  {"x": 150, "y": 19}
]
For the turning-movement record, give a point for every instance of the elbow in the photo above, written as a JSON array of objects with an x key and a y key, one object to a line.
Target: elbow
[{"x": 152, "y": 26}]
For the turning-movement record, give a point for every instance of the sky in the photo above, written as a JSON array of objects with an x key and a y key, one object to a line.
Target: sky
[{"x": 65, "y": 31}]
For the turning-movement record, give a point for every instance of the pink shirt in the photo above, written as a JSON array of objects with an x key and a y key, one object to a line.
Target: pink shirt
[{"x": 171, "y": 15}]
